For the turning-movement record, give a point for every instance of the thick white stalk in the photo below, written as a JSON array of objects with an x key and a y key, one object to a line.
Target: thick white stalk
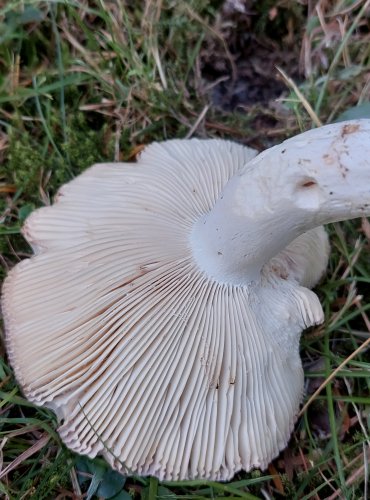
[{"x": 317, "y": 177}]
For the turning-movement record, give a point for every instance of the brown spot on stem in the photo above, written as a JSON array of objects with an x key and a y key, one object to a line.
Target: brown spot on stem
[
  {"x": 328, "y": 159},
  {"x": 308, "y": 184},
  {"x": 349, "y": 128}
]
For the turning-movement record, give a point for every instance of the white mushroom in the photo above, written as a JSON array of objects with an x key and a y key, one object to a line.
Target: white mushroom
[{"x": 161, "y": 314}]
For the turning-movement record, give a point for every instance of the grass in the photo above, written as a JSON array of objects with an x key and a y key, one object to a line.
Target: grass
[{"x": 82, "y": 82}]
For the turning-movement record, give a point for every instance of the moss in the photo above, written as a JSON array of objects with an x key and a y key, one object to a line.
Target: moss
[
  {"x": 55, "y": 476},
  {"x": 38, "y": 169},
  {"x": 23, "y": 164},
  {"x": 31, "y": 166},
  {"x": 85, "y": 145}
]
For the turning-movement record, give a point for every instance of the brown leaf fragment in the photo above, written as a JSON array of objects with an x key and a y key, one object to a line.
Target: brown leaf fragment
[
  {"x": 135, "y": 151},
  {"x": 8, "y": 188},
  {"x": 25, "y": 455},
  {"x": 276, "y": 479}
]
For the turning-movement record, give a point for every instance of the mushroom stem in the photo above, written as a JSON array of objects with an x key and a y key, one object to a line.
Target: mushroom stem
[{"x": 315, "y": 178}]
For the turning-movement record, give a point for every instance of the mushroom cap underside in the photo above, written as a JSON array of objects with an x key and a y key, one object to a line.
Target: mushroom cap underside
[{"x": 143, "y": 358}]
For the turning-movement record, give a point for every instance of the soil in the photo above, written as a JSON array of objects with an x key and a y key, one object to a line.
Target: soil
[{"x": 240, "y": 64}]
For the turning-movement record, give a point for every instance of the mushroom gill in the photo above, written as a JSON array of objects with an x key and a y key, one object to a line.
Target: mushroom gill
[{"x": 160, "y": 316}]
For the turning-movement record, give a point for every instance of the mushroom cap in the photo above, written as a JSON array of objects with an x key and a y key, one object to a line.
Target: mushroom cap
[{"x": 143, "y": 357}]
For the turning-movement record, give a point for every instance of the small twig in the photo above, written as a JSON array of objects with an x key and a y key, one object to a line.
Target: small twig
[
  {"x": 354, "y": 258},
  {"x": 353, "y": 478},
  {"x": 332, "y": 375},
  {"x": 26, "y": 454},
  {"x": 158, "y": 63},
  {"x": 23, "y": 430},
  {"x": 346, "y": 10},
  {"x": 197, "y": 122},
  {"x": 327, "y": 481},
  {"x": 301, "y": 97},
  {"x": 75, "y": 484},
  {"x": 351, "y": 300}
]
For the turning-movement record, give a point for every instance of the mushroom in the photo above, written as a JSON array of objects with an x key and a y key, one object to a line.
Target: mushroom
[{"x": 160, "y": 316}]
